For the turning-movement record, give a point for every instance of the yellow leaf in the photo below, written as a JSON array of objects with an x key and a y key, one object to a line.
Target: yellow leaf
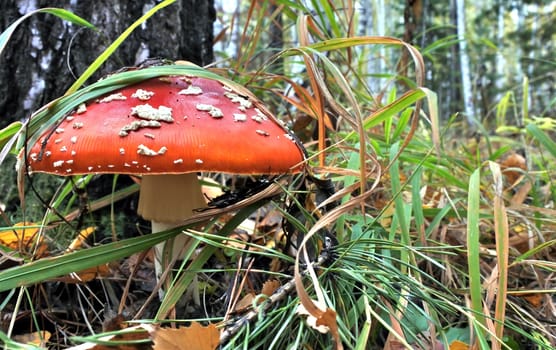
[
  {"x": 195, "y": 336},
  {"x": 35, "y": 338},
  {"x": 87, "y": 275},
  {"x": 458, "y": 345},
  {"x": 23, "y": 239},
  {"x": 80, "y": 239}
]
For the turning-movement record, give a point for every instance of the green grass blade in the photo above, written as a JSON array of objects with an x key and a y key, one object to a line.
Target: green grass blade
[
  {"x": 473, "y": 251},
  {"x": 44, "y": 269},
  {"x": 392, "y": 109},
  {"x": 13, "y": 345},
  {"x": 399, "y": 204},
  {"x": 68, "y": 16},
  {"x": 542, "y": 137},
  {"x": 183, "y": 280},
  {"x": 8, "y": 132},
  {"x": 8, "y": 137},
  {"x": 61, "y": 13},
  {"x": 534, "y": 251},
  {"x": 525, "y": 99},
  {"x": 417, "y": 205}
]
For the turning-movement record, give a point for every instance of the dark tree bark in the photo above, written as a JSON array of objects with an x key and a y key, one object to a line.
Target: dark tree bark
[{"x": 45, "y": 54}]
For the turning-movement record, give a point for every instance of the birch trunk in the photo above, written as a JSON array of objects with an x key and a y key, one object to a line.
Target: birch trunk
[
  {"x": 465, "y": 66},
  {"x": 500, "y": 59},
  {"x": 45, "y": 54}
]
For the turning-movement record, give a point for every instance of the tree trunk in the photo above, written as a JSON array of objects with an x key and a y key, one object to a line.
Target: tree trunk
[
  {"x": 465, "y": 67},
  {"x": 501, "y": 80},
  {"x": 46, "y": 54},
  {"x": 276, "y": 38}
]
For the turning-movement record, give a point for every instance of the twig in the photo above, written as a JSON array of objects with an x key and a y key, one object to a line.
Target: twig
[{"x": 279, "y": 295}]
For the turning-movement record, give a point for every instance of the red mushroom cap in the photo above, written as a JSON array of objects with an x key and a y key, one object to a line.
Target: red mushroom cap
[{"x": 170, "y": 125}]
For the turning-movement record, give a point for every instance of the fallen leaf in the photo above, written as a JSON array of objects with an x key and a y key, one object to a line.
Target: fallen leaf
[
  {"x": 395, "y": 345},
  {"x": 459, "y": 345},
  {"x": 87, "y": 275},
  {"x": 36, "y": 338},
  {"x": 535, "y": 299},
  {"x": 510, "y": 166},
  {"x": 196, "y": 337},
  {"x": 245, "y": 303},
  {"x": 114, "y": 323},
  {"x": 80, "y": 239},
  {"x": 271, "y": 220},
  {"x": 521, "y": 194},
  {"x": 129, "y": 340},
  {"x": 431, "y": 197},
  {"x": 24, "y": 239},
  {"x": 275, "y": 265},
  {"x": 313, "y": 320},
  {"x": 270, "y": 286}
]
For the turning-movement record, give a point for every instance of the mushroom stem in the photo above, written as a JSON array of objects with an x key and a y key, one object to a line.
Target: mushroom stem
[{"x": 168, "y": 200}]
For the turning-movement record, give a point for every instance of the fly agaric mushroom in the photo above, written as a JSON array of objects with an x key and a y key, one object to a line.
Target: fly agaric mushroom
[{"x": 167, "y": 129}]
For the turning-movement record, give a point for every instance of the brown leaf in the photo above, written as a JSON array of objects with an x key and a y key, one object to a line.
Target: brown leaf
[
  {"x": 195, "y": 336},
  {"x": 311, "y": 319},
  {"x": 394, "y": 344},
  {"x": 515, "y": 161},
  {"x": 245, "y": 303},
  {"x": 275, "y": 265},
  {"x": 328, "y": 319},
  {"x": 127, "y": 340},
  {"x": 322, "y": 321},
  {"x": 114, "y": 323},
  {"x": 521, "y": 194},
  {"x": 270, "y": 286},
  {"x": 534, "y": 299},
  {"x": 271, "y": 220}
]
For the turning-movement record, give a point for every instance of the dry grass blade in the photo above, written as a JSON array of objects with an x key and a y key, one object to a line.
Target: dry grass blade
[
  {"x": 313, "y": 76},
  {"x": 501, "y": 230},
  {"x": 317, "y": 309}
]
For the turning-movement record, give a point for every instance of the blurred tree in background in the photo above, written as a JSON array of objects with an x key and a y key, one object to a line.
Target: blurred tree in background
[{"x": 506, "y": 42}]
